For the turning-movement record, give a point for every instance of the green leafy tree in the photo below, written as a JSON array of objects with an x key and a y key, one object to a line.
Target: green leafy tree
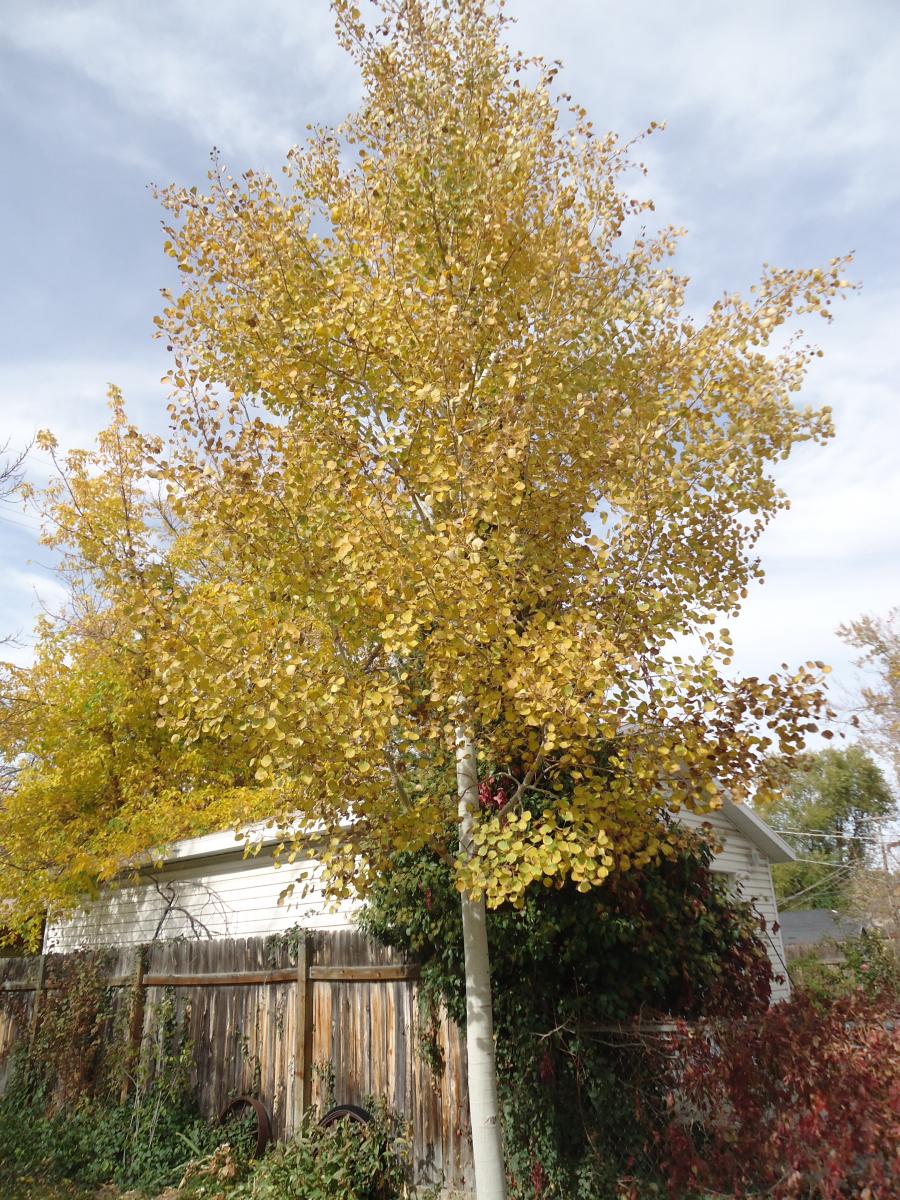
[{"x": 831, "y": 808}]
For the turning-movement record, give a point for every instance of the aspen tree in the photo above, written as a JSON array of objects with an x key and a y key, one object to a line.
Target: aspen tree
[{"x": 511, "y": 469}]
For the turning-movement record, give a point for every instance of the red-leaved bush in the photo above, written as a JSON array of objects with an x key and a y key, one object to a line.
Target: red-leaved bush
[{"x": 803, "y": 1102}]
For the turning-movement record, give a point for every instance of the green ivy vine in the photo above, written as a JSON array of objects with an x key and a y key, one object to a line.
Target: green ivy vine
[{"x": 580, "y": 1107}]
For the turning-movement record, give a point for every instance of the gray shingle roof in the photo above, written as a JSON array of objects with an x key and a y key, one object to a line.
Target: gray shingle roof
[{"x": 805, "y": 927}]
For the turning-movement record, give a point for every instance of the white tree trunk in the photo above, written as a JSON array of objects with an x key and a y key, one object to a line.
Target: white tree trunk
[{"x": 487, "y": 1143}]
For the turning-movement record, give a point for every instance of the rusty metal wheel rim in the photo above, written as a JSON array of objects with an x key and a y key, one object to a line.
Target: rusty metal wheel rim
[
  {"x": 263, "y": 1124},
  {"x": 345, "y": 1112}
]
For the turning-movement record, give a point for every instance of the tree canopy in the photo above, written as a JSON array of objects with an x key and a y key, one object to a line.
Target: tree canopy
[
  {"x": 93, "y": 781},
  {"x": 831, "y": 806},
  {"x": 449, "y": 451}
]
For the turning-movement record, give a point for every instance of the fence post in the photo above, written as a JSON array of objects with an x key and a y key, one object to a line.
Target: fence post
[
  {"x": 135, "y": 1021},
  {"x": 302, "y": 1044},
  {"x": 38, "y": 991}
]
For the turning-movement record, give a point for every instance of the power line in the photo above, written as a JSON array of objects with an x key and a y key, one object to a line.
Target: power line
[
  {"x": 822, "y": 862},
  {"x": 21, "y": 524},
  {"x": 812, "y": 889},
  {"x": 821, "y": 833}
]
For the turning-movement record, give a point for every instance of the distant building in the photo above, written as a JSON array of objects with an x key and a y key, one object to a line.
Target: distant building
[{"x": 817, "y": 929}]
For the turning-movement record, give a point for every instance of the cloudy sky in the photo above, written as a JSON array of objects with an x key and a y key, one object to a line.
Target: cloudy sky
[{"x": 782, "y": 145}]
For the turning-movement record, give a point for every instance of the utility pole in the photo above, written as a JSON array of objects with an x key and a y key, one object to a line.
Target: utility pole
[{"x": 892, "y": 906}]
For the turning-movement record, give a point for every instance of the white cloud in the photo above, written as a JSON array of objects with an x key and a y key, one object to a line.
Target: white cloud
[
  {"x": 69, "y": 398},
  {"x": 846, "y": 496},
  {"x": 225, "y": 73},
  {"x": 808, "y": 81}
]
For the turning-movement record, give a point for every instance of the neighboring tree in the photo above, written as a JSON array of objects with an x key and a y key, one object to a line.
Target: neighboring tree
[
  {"x": 452, "y": 467},
  {"x": 874, "y": 894},
  {"x": 11, "y": 471},
  {"x": 879, "y": 640},
  {"x": 91, "y": 781},
  {"x": 832, "y": 807}
]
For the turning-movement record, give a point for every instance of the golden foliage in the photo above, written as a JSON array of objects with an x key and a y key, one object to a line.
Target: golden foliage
[{"x": 450, "y": 451}]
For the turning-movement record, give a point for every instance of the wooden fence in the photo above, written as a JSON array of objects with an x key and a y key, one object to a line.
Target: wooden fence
[{"x": 274, "y": 1017}]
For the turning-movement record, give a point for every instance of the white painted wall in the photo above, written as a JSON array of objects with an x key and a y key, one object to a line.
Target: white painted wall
[
  {"x": 230, "y": 896},
  {"x": 226, "y": 896},
  {"x": 752, "y": 874}
]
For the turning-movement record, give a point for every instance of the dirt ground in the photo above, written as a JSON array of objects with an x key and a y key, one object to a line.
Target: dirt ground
[{"x": 34, "y": 1189}]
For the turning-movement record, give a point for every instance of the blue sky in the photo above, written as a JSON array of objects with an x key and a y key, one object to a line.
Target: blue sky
[{"x": 782, "y": 145}]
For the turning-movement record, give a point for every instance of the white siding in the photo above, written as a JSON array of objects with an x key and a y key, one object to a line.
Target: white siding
[
  {"x": 227, "y": 897},
  {"x": 752, "y": 874}
]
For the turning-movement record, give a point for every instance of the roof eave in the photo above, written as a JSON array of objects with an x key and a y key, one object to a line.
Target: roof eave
[{"x": 763, "y": 837}]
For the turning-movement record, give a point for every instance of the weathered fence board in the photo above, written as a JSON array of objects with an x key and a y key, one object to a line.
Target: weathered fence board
[
  {"x": 284, "y": 1019},
  {"x": 19, "y": 997}
]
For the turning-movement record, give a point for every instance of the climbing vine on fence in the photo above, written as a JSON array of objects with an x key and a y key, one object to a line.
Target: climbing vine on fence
[
  {"x": 78, "y": 1107},
  {"x": 70, "y": 1055},
  {"x": 579, "y": 1109}
]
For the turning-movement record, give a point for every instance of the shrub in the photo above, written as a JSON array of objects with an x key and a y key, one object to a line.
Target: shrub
[
  {"x": 63, "y": 1115},
  {"x": 803, "y": 1101},
  {"x": 142, "y": 1142},
  {"x": 578, "y": 1112},
  {"x": 869, "y": 963},
  {"x": 346, "y": 1161},
  {"x": 872, "y": 963}
]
